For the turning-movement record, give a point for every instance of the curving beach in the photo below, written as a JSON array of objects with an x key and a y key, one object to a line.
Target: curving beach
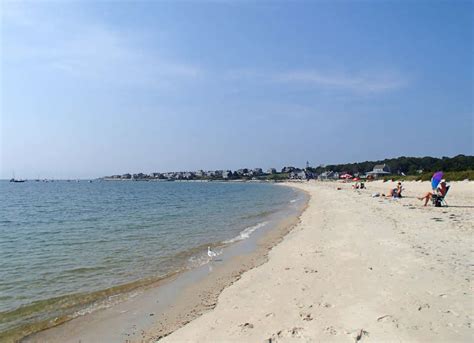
[
  {"x": 356, "y": 268},
  {"x": 191, "y": 171}
]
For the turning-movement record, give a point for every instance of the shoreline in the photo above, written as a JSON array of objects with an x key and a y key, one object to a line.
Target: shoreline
[
  {"x": 198, "y": 291},
  {"x": 356, "y": 268}
]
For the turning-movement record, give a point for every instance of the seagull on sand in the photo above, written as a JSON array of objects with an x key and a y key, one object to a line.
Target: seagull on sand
[{"x": 211, "y": 253}]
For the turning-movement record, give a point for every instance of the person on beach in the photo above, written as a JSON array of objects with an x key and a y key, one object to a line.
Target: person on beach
[
  {"x": 396, "y": 192},
  {"x": 440, "y": 190}
]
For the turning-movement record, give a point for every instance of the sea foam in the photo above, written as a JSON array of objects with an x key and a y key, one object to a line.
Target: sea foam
[{"x": 244, "y": 234}]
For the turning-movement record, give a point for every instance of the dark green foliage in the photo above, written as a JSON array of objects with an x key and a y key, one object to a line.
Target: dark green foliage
[
  {"x": 276, "y": 177},
  {"x": 449, "y": 176},
  {"x": 407, "y": 165}
]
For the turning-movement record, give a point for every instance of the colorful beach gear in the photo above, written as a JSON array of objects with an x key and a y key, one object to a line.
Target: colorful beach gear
[{"x": 436, "y": 179}]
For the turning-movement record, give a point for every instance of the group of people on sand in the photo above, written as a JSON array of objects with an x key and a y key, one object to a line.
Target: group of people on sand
[
  {"x": 358, "y": 185},
  {"x": 439, "y": 192}
]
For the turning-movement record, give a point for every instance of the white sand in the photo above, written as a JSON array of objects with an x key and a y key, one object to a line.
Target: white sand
[{"x": 356, "y": 268}]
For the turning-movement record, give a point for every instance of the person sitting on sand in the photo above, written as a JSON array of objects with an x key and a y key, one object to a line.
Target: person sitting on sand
[
  {"x": 440, "y": 190},
  {"x": 396, "y": 192}
]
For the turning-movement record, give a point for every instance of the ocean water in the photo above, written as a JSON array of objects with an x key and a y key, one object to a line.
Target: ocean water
[{"x": 65, "y": 246}]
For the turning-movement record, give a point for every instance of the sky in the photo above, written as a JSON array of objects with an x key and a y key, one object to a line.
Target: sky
[{"x": 91, "y": 88}]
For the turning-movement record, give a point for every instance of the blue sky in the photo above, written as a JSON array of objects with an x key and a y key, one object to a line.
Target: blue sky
[{"x": 96, "y": 88}]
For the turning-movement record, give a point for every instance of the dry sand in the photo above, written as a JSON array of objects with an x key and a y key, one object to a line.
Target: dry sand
[{"x": 356, "y": 268}]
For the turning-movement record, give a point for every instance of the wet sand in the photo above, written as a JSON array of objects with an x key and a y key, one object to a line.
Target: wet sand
[{"x": 356, "y": 269}]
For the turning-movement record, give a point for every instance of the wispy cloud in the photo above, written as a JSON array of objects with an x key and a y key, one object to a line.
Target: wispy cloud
[
  {"x": 364, "y": 82},
  {"x": 88, "y": 50},
  {"x": 101, "y": 53}
]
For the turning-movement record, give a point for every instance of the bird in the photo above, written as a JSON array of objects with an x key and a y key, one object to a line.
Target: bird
[{"x": 211, "y": 253}]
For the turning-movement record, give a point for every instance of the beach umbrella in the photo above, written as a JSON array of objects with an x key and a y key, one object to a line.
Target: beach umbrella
[
  {"x": 346, "y": 176},
  {"x": 436, "y": 179},
  {"x": 356, "y": 179}
]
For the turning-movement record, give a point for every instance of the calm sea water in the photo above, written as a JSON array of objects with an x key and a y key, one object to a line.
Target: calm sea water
[{"x": 65, "y": 245}]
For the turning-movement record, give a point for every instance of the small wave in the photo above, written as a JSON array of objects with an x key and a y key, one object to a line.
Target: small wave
[
  {"x": 43, "y": 314},
  {"x": 244, "y": 234},
  {"x": 292, "y": 201},
  {"x": 84, "y": 270},
  {"x": 202, "y": 259},
  {"x": 260, "y": 214},
  {"x": 105, "y": 303},
  {"x": 197, "y": 261}
]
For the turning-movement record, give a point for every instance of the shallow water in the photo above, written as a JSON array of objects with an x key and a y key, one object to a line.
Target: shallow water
[{"x": 64, "y": 245}]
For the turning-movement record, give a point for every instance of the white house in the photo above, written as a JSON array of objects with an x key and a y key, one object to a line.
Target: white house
[
  {"x": 298, "y": 174},
  {"x": 380, "y": 170}
]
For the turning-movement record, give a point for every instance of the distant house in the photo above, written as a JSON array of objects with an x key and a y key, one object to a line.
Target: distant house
[
  {"x": 257, "y": 171},
  {"x": 139, "y": 176},
  {"x": 187, "y": 175},
  {"x": 226, "y": 174},
  {"x": 380, "y": 170},
  {"x": 288, "y": 169},
  {"x": 169, "y": 175},
  {"x": 329, "y": 175},
  {"x": 299, "y": 174},
  {"x": 271, "y": 171},
  {"x": 242, "y": 172}
]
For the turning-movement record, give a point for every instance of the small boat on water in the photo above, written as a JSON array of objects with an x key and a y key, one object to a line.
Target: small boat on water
[{"x": 15, "y": 180}]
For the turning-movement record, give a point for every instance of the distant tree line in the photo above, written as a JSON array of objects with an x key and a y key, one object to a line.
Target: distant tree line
[{"x": 405, "y": 165}]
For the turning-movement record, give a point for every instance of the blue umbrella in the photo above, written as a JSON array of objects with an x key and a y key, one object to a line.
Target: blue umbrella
[{"x": 436, "y": 179}]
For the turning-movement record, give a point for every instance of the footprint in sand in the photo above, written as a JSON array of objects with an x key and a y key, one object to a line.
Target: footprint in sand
[
  {"x": 331, "y": 331},
  {"x": 388, "y": 319},
  {"x": 360, "y": 334},
  {"x": 310, "y": 270},
  {"x": 454, "y": 313},
  {"x": 326, "y": 305},
  {"x": 384, "y": 318},
  {"x": 421, "y": 307},
  {"x": 306, "y": 316},
  {"x": 295, "y": 332},
  {"x": 246, "y": 326}
]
